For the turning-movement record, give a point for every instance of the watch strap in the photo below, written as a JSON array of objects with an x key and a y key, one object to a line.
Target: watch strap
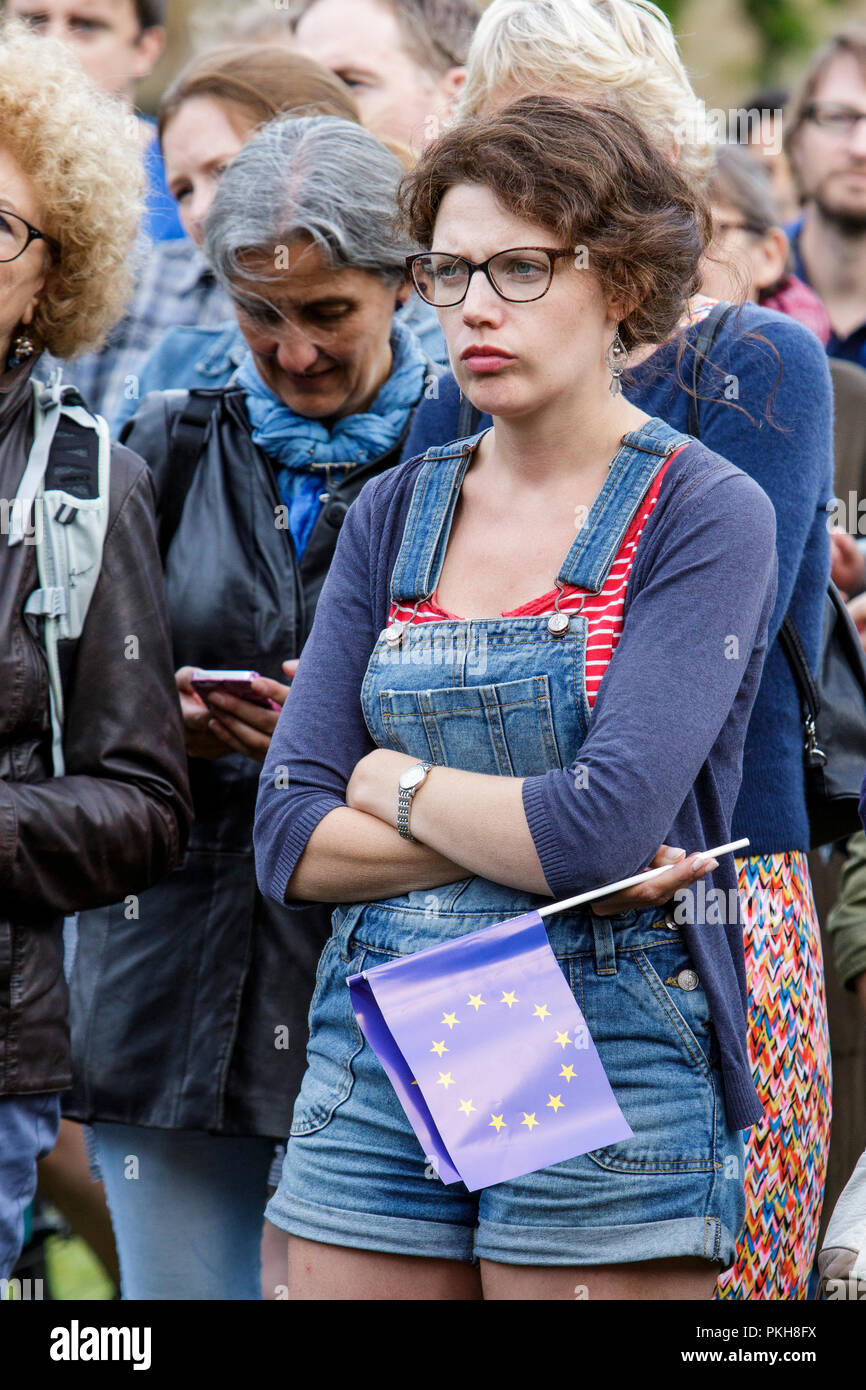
[{"x": 404, "y": 806}]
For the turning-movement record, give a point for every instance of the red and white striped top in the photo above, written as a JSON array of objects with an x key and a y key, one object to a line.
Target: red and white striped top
[{"x": 603, "y": 610}]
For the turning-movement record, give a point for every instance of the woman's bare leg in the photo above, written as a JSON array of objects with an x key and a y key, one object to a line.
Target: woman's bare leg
[
  {"x": 274, "y": 1242},
  {"x": 648, "y": 1280},
  {"x": 336, "y": 1272}
]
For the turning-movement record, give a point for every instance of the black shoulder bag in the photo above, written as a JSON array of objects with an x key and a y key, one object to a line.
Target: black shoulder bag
[{"x": 834, "y": 700}]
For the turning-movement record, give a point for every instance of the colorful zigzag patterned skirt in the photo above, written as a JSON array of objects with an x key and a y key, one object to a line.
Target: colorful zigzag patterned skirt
[{"x": 786, "y": 1158}]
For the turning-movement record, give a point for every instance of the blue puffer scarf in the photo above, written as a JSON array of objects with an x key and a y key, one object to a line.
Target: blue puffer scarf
[{"x": 301, "y": 447}]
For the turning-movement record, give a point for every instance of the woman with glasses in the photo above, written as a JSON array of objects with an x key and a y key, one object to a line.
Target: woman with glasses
[
  {"x": 754, "y": 386},
  {"x": 550, "y": 637},
  {"x": 189, "y": 1019},
  {"x": 114, "y": 817}
]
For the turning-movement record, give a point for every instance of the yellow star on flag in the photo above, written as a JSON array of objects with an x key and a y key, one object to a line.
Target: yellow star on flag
[
  {"x": 555, "y": 1103},
  {"x": 509, "y": 998},
  {"x": 439, "y": 1048},
  {"x": 497, "y": 1123},
  {"x": 450, "y": 1019},
  {"x": 475, "y": 1002},
  {"x": 529, "y": 1120},
  {"x": 541, "y": 1011},
  {"x": 567, "y": 1072},
  {"x": 445, "y": 1079},
  {"x": 466, "y": 1106},
  {"x": 563, "y": 1039}
]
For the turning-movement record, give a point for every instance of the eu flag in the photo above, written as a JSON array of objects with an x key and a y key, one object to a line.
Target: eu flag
[{"x": 489, "y": 1054}]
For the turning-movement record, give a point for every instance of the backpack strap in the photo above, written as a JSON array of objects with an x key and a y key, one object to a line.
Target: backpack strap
[
  {"x": 709, "y": 331},
  {"x": 187, "y": 432},
  {"x": 62, "y": 508}
]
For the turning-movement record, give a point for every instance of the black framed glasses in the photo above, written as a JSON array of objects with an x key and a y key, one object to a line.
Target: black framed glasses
[
  {"x": 16, "y": 234},
  {"x": 839, "y": 120},
  {"x": 520, "y": 274}
]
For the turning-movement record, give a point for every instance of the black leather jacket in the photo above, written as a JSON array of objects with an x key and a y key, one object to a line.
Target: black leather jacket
[
  {"x": 194, "y": 1015},
  {"x": 118, "y": 820}
]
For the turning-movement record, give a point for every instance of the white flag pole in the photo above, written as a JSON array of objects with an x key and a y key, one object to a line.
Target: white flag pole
[{"x": 636, "y": 878}]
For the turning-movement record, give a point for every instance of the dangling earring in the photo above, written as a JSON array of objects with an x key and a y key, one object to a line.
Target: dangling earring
[
  {"x": 23, "y": 348},
  {"x": 616, "y": 358}
]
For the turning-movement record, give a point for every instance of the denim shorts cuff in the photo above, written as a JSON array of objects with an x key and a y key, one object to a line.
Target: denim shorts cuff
[
  {"x": 364, "y": 1230},
  {"x": 605, "y": 1245}
]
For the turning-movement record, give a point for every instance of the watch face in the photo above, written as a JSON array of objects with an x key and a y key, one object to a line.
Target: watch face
[{"x": 411, "y": 777}]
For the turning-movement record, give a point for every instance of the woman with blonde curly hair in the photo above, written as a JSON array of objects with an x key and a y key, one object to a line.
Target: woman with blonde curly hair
[
  {"x": 761, "y": 397},
  {"x": 109, "y": 816}
]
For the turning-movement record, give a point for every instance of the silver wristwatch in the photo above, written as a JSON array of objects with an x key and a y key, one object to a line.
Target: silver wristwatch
[{"x": 410, "y": 781}]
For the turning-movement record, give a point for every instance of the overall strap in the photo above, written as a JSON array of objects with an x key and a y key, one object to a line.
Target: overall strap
[
  {"x": 428, "y": 523},
  {"x": 630, "y": 476}
]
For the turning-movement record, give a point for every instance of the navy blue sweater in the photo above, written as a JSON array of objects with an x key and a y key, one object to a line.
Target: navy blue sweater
[
  {"x": 790, "y": 455},
  {"x": 664, "y": 747}
]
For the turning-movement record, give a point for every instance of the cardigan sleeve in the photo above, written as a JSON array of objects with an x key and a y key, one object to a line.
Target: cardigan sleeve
[
  {"x": 694, "y": 632},
  {"x": 785, "y": 439},
  {"x": 321, "y": 733}
]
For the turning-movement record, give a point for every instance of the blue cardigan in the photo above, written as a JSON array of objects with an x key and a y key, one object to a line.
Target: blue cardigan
[
  {"x": 791, "y": 456},
  {"x": 665, "y": 742}
]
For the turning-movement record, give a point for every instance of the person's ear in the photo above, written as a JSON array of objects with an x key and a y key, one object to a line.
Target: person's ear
[
  {"x": 403, "y": 293},
  {"x": 30, "y": 312},
  {"x": 451, "y": 85},
  {"x": 148, "y": 50},
  {"x": 617, "y": 310},
  {"x": 771, "y": 259}
]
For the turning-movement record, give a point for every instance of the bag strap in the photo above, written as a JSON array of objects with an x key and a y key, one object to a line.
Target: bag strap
[
  {"x": 708, "y": 332},
  {"x": 186, "y": 440},
  {"x": 68, "y": 477},
  {"x": 791, "y": 643}
]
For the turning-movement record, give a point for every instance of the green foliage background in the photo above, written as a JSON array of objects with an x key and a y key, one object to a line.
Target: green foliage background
[{"x": 783, "y": 28}]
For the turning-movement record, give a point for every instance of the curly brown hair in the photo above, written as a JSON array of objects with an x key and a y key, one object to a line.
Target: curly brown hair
[
  {"x": 590, "y": 176},
  {"x": 81, "y": 151}
]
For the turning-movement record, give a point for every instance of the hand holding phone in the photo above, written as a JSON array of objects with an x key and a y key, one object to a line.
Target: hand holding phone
[
  {"x": 236, "y": 683},
  {"x": 223, "y": 712}
]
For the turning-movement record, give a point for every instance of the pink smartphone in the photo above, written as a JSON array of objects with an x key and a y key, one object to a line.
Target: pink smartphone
[{"x": 235, "y": 683}]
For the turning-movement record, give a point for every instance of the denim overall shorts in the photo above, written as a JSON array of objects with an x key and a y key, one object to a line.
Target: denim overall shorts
[{"x": 507, "y": 696}]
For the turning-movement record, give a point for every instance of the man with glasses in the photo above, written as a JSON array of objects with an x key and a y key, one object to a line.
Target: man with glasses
[{"x": 825, "y": 139}]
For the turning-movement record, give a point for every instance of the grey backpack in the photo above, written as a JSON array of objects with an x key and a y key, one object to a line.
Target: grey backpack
[{"x": 62, "y": 508}]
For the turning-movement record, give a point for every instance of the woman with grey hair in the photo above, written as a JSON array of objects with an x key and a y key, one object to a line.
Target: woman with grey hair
[{"x": 190, "y": 1005}]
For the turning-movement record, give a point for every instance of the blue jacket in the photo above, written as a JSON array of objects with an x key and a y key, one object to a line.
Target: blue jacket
[
  {"x": 792, "y": 459},
  {"x": 161, "y": 218},
  {"x": 191, "y": 358},
  {"x": 665, "y": 742}
]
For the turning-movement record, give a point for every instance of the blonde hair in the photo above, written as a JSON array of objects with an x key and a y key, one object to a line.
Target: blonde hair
[
  {"x": 81, "y": 151},
  {"x": 621, "y": 51}
]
